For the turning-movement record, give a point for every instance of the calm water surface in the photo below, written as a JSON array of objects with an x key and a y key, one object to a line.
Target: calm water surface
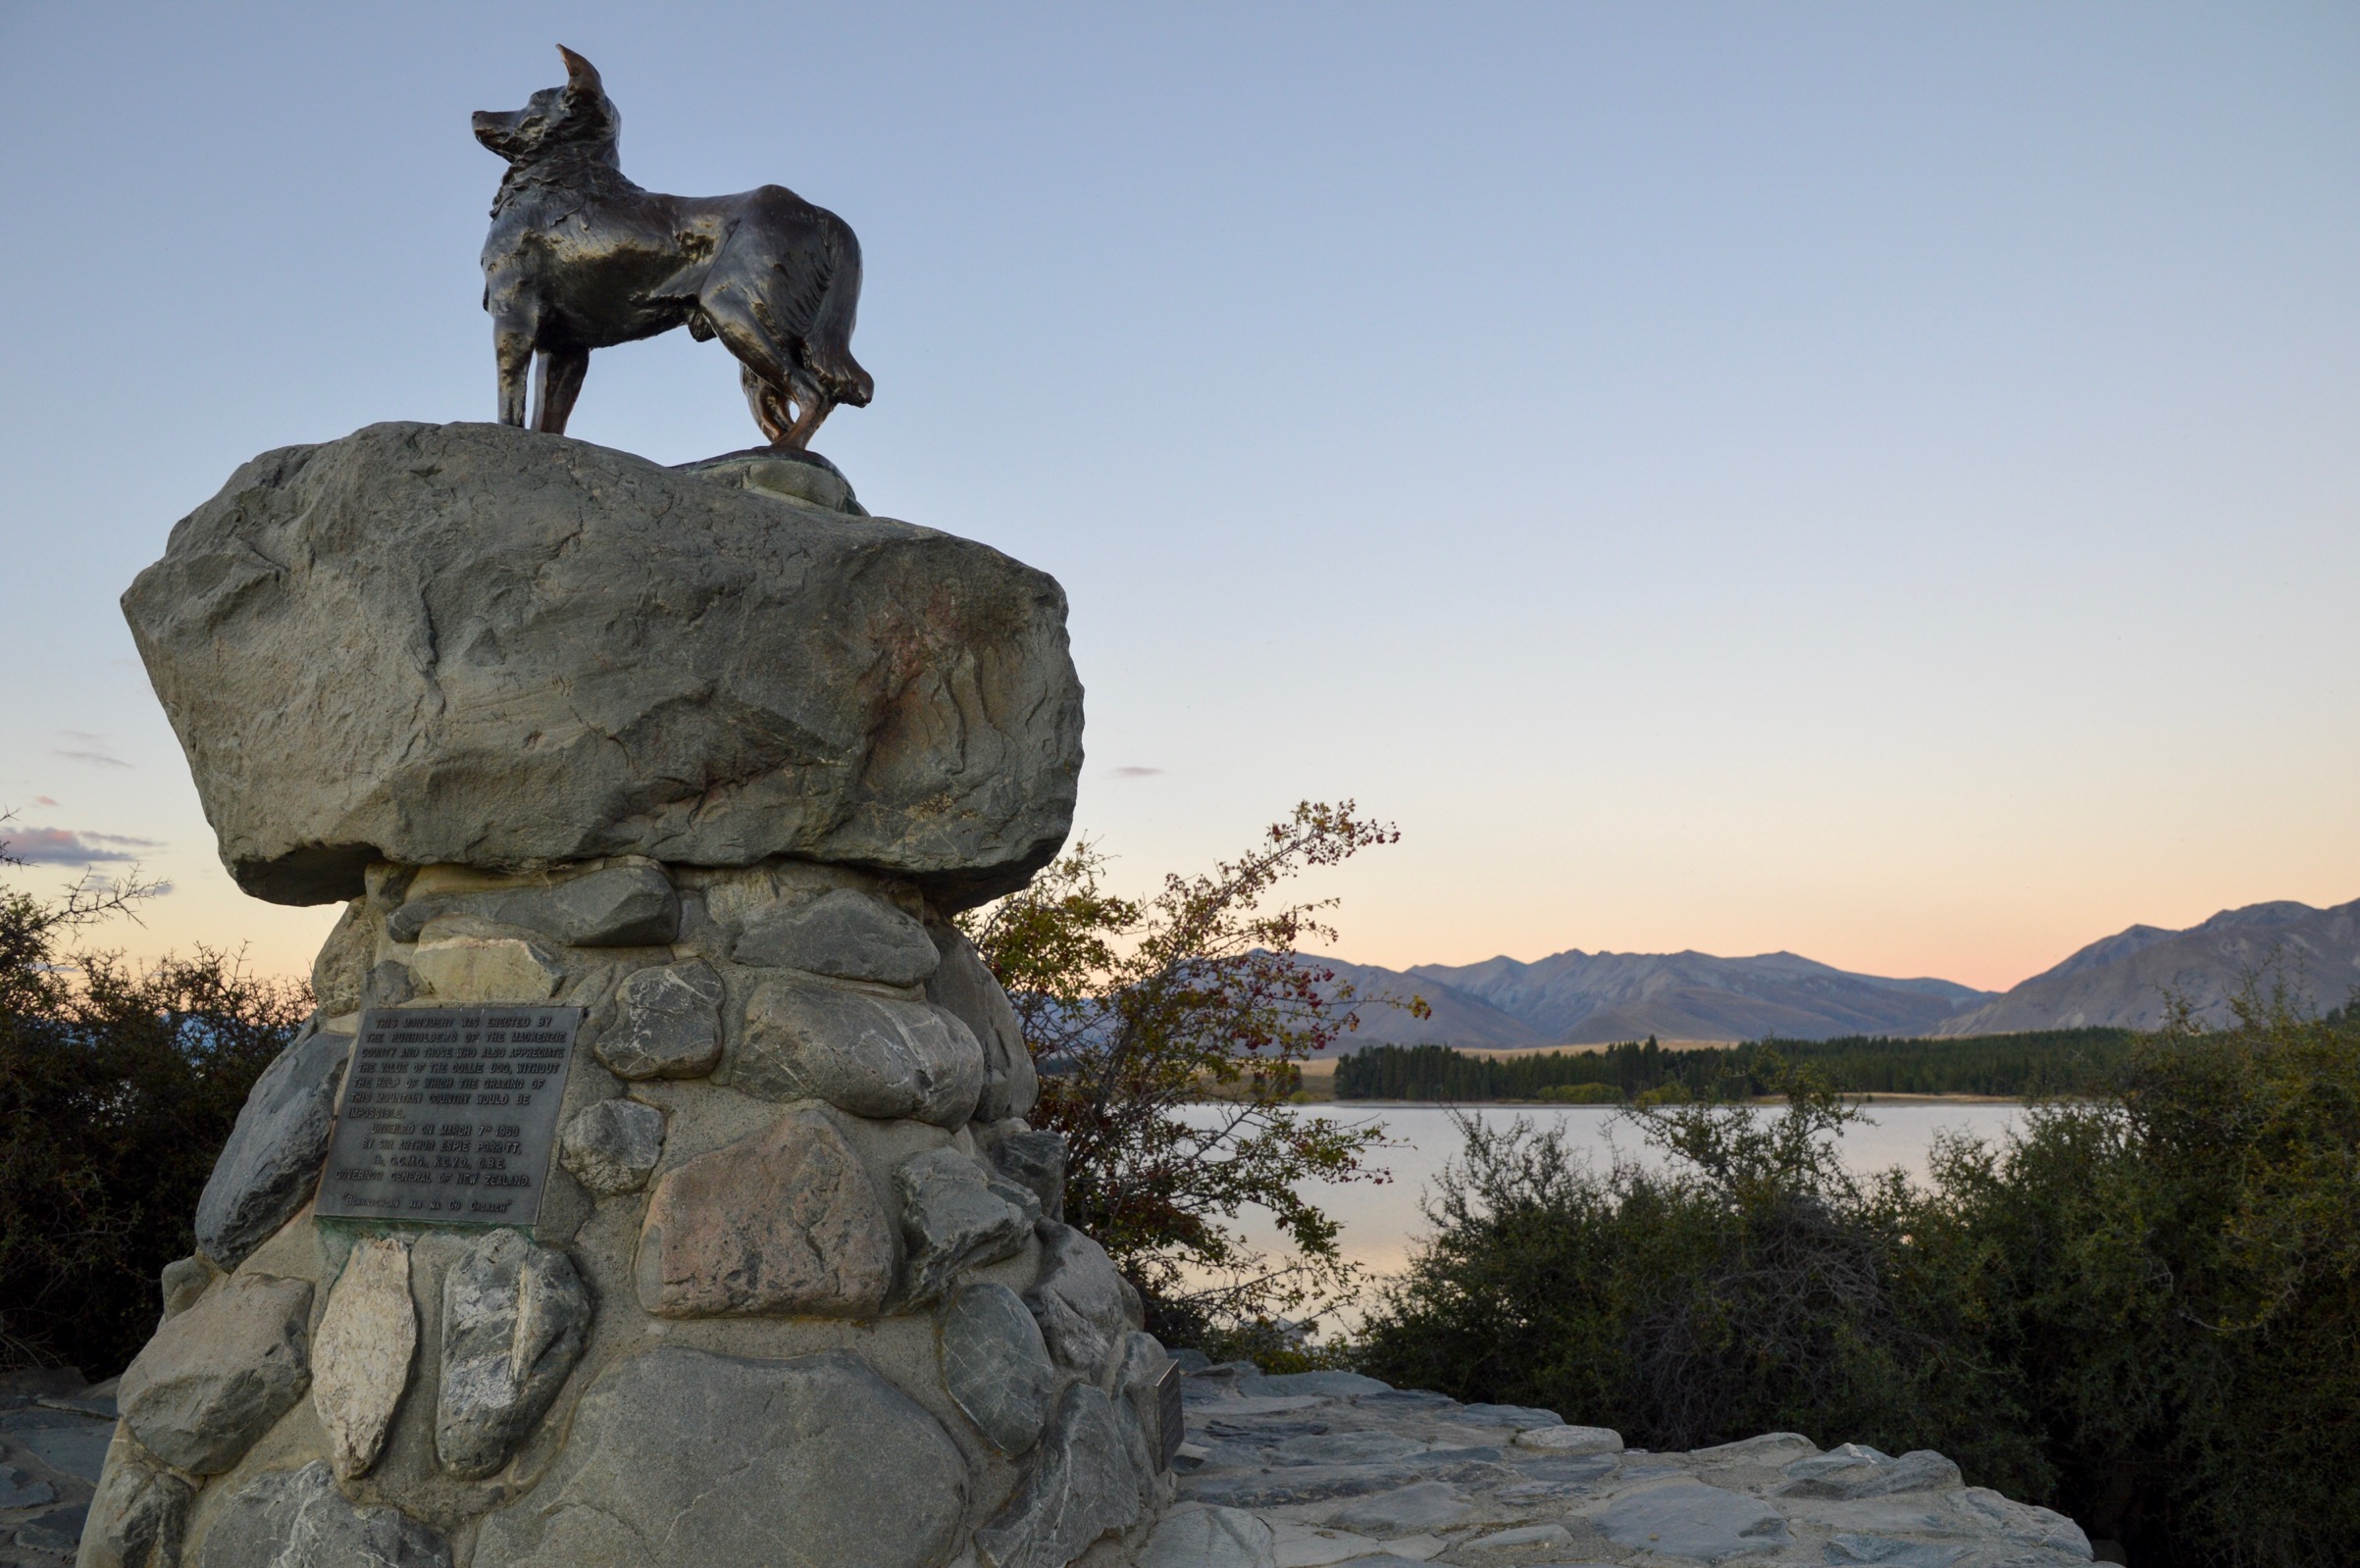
[{"x": 1382, "y": 1221}]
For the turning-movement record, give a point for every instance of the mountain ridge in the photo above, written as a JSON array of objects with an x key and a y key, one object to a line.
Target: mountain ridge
[
  {"x": 2125, "y": 980},
  {"x": 1583, "y": 999}
]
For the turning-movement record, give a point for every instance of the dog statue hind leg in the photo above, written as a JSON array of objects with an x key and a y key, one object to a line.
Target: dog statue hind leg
[
  {"x": 789, "y": 416},
  {"x": 766, "y": 369},
  {"x": 557, "y": 385},
  {"x": 770, "y": 406}
]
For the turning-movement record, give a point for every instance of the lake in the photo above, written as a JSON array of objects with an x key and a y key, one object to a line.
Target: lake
[{"x": 1381, "y": 1221}]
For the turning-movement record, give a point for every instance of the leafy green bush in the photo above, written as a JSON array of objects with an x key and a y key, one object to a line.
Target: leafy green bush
[
  {"x": 2142, "y": 1309},
  {"x": 118, "y": 1088},
  {"x": 2175, "y": 1273},
  {"x": 1138, "y": 1011},
  {"x": 1754, "y": 1286}
]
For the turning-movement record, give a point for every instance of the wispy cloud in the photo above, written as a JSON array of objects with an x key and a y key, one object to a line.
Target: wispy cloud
[
  {"x": 87, "y": 745},
  {"x": 43, "y": 800},
  {"x": 100, "y": 882},
  {"x": 63, "y": 846},
  {"x": 1137, "y": 772}
]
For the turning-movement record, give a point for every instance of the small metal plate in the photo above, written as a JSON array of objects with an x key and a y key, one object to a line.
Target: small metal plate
[
  {"x": 448, "y": 1114},
  {"x": 1174, "y": 1420}
]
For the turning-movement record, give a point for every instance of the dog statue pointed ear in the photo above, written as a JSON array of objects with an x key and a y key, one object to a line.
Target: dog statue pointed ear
[{"x": 579, "y": 74}]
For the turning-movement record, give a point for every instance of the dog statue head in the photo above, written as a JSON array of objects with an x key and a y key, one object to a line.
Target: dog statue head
[{"x": 576, "y": 121}]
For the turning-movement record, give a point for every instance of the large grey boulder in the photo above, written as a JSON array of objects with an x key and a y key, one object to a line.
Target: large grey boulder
[
  {"x": 996, "y": 1365},
  {"x": 841, "y": 933},
  {"x": 954, "y": 1216},
  {"x": 514, "y": 1315},
  {"x": 268, "y": 1169},
  {"x": 628, "y": 905},
  {"x": 612, "y": 1147},
  {"x": 472, "y": 645},
  {"x": 667, "y": 1023},
  {"x": 1035, "y": 1160},
  {"x": 1088, "y": 1478},
  {"x": 218, "y": 1376},
  {"x": 876, "y": 1056},
  {"x": 138, "y": 1516},
  {"x": 184, "y": 1281},
  {"x": 679, "y": 1459},
  {"x": 961, "y": 985},
  {"x": 1079, "y": 1302},
  {"x": 1140, "y": 1368},
  {"x": 339, "y": 974},
  {"x": 297, "y": 1519}
]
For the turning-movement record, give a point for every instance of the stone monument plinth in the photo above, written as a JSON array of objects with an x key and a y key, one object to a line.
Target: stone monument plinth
[{"x": 651, "y": 790}]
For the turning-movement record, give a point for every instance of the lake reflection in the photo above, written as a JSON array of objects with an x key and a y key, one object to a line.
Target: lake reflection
[{"x": 1380, "y": 1220}]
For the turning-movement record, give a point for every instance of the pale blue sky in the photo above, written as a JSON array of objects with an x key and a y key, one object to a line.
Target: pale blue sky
[{"x": 1874, "y": 480}]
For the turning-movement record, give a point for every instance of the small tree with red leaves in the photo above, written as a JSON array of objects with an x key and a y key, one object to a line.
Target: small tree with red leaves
[{"x": 1169, "y": 1032}]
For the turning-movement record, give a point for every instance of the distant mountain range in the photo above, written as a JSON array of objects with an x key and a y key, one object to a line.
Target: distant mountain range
[
  {"x": 2122, "y": 978},
  {"x": 1579, "y": 998}
]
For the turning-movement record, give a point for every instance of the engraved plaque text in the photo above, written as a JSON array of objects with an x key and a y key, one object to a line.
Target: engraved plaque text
[{"x": 448, "y": 1114}]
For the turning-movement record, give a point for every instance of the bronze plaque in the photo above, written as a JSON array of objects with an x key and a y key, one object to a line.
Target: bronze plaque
[{"x": 448, "y": 1114}]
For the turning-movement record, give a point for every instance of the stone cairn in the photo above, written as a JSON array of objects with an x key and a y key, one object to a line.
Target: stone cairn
[{"x": 712, "y": 755}]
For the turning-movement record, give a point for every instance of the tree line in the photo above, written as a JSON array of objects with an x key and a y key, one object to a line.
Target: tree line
[{"x": 2043, "y": 1062}]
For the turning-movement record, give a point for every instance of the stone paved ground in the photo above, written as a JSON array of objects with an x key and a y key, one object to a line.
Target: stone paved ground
[
  {"x": 1315, "y": 1468},
  {"x": 53, "y": 1439},
  {"x": 1327, "y": 1468}
]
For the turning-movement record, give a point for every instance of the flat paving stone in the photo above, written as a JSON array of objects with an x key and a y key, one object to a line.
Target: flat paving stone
[
  {"x": 59, "y": 1531},
  {"x": 1192, "y": 1535},
  {"x": 1518, "y": 1416},
  {"x": 1686, "y": 1518},
  {"x": 1522, "y": 1538},
  {"x": 1426, "y": 1505},
  {"x": 1298, "y": 1548},
  {"x": 17, "y": 1490},
  {"x": 1551, "y": 1505},
  {"x": 77, "y": 1446},
  {"x": 1233, "y": 1409}
]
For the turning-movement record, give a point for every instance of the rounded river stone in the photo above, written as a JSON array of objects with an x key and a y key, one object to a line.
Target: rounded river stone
[{"x": 681, "y": 1459}]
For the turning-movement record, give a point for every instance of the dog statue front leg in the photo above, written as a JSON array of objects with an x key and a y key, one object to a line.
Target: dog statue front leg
[{"x": 512, "y": 352}]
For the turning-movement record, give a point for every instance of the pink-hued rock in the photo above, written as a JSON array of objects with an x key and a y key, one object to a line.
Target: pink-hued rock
[{"x": 782, "y": 1221}]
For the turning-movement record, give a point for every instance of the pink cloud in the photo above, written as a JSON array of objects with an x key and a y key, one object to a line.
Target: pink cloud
[{"x": 63, "y": 846}]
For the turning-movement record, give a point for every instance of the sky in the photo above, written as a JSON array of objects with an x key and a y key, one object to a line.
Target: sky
[{"x": 1875, "y": 482}]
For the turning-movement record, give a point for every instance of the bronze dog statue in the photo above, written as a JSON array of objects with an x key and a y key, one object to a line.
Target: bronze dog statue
[{"x": 580, "y": 258}]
